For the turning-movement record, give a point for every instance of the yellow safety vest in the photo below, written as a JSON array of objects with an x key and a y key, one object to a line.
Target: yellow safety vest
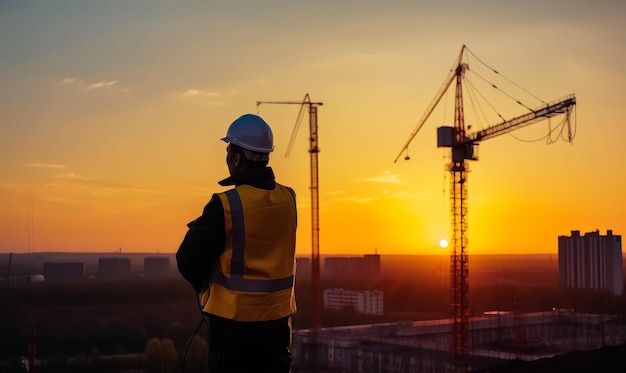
[{"x": 254, "y": 277}]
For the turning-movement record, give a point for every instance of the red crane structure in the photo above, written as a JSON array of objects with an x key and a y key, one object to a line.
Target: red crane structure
[
  {"x": 464, "y": 148},
  {"x": 316, "y": 291}
]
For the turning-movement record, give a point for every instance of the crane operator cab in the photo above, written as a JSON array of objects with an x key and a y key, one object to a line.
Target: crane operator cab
[{"x": 461, "y": 150}]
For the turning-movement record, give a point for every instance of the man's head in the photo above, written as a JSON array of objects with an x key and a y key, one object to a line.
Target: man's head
[{"x": 250, "y": 140}]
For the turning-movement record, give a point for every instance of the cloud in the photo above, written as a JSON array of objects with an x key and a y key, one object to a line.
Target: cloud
[
  {"x": 356, "y": 199},
  {"x": 78, "y": 180},
  {"x": 411, "y": 195},
  {"x": 90, "y": 86},
  {"x": 336, "y": 192},
  {"x": 70, "y": 176},
  {"x": 364, "y": 200},
  {"x": 45, "y": 165},
  {"x": 69, "y": 80},
  {"x": 387, "y": 177},
  {"x": 102, "y": 84},
  {"x": 198, "y": 93},
  {"x": 203, "y": 96}
]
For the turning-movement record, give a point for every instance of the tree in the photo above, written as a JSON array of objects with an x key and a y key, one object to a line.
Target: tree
[
  {"x": 153, "y": 356},
  {"x": 94, "y": 355},
  {"x": 177, "y": 333},
  {"x": 169, "y": 356},
  {"x": 196, "y": 358}
]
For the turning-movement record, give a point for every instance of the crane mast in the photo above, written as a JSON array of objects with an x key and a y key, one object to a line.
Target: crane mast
[
  {"x": 462, "y": 148},
  {"x": 315, "y": 220},
  {"x": 316, "y": 291},
  {"x": 459, "y": 266}
]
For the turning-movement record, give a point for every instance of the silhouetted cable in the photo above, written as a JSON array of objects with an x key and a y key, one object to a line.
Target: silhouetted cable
[
  {"x": 503, "y": 91},
  {"x": 195, "y": 332},
  {"x": 507, "y": 79}
]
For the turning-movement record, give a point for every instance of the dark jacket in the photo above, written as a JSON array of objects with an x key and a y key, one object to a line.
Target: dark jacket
[
  {"x": 206, "y": 238},
  {"x": 235, "y": 346}
]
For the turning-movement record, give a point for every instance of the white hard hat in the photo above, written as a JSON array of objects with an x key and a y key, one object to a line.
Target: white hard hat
[{"x": 251, "y": 132}]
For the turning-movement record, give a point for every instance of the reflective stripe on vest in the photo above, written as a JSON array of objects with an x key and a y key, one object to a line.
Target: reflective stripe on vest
[{"x": 236, "y": 281}]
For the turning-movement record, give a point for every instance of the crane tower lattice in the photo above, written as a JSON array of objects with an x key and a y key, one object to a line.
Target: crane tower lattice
[
  {"x": 316, "y": 291},
  {"x": 462, "y": 147}
]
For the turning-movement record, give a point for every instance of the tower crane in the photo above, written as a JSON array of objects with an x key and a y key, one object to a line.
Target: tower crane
[
  {"x": 316, "y": 293},
  {"x": 463, "y": 146}
]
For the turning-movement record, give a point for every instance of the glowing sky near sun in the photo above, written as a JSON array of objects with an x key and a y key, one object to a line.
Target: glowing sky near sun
[{"x": 111, "y": 114}]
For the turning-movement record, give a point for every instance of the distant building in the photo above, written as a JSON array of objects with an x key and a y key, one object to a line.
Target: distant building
[
  {"x": 23, "y": 279},
  {"x": 591, "y": 261},
  {"x": 369, "y": 302},
  {"x": 63, "y": 271},
  {"x": 114, "y": 267},
  {"x": 156, "y": 266},
  {"x": 371, "y": 263},
  {"x": 303, "y": 269},
  {"x": 366, "y": 266}
]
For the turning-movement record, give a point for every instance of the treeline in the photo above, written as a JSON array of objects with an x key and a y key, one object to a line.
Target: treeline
[{"x": 114, "y": 317}]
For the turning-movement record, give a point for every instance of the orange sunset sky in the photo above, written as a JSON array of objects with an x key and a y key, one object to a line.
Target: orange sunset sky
[{"x": 111, "y": 114}]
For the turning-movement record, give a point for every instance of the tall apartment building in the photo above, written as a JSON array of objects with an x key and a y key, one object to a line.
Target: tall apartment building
[
  {"x": 591, "y": 261},
  {"x": 369, "y": 302}
]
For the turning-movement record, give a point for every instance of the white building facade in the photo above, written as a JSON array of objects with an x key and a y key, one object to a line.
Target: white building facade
[
  {"x": 369, "y": 302},
  {"x": 591, "y": 261}
]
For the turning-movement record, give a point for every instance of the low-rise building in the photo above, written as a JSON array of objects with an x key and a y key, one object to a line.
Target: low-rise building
[
  {"x": 156, "y": 266},
  {"x": 369, "y": 302},
  {"x": 114, "y": 267},
  {"x": 63, "y": 271}
]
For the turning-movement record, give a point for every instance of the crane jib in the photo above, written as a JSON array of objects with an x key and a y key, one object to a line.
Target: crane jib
[{"x": 550, "y": 110}]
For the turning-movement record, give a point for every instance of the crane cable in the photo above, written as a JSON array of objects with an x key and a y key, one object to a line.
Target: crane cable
[
  {"x": 431, "y": 107},
  {"x": 507, "y": 79},
  {"x": 560, "y": 128},
  {"x": 203, "y": 320},
  {"x": 472, "y": 91},
  {"x": 504, "y": 92},
  {"x": 297, "y": 125}
]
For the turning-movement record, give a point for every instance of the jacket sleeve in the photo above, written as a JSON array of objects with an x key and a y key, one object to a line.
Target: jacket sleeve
[{"x": 202, "y": 245}]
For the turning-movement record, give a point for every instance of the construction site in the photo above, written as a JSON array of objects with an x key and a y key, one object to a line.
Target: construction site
[
  {"x": 460, "y": 343},
  {"x": 424, "y": 346}
]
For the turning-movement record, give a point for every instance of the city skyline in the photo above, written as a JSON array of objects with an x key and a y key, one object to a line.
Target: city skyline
[{"x": 111, "y": 115}]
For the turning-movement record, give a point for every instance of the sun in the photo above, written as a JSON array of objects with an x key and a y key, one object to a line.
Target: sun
[{"x": 443, "y": 243}]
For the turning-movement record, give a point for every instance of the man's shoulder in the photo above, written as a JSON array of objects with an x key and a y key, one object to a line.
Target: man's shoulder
[{"x": 215, "y": 203}]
